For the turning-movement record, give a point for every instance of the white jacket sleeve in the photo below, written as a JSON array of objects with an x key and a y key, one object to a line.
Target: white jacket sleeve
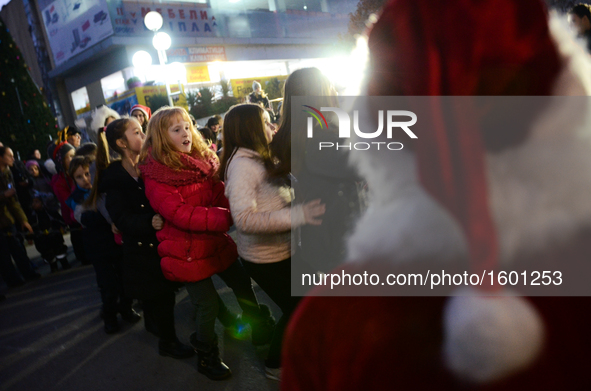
[{"x": 246, "y": 190}]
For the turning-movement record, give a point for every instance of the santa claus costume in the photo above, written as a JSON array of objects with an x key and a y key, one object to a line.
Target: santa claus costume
[{"x": 460, "y": 194}]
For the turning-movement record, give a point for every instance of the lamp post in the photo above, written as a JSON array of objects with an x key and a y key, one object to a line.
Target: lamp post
[{"x": 161, "y": 41}]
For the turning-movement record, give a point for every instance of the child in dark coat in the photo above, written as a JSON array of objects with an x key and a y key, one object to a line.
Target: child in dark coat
[
  {"x": 47, "y": 227},
  {"x": 99, "y": 245}
]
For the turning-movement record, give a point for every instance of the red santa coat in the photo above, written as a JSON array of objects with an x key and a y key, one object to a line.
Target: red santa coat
[
  {"x": 384, "y": 343},
  {"x": 193, "y": 243},
  {"x": 388, "y": 343}
]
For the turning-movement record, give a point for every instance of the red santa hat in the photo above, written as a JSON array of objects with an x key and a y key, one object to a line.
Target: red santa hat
[
  {"x": 440, "y": 48},
  {"x": 144, "y": 109}
]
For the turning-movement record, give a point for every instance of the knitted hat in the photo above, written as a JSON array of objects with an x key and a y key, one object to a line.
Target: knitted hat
[
  {"x": 256, "y": 86},
  {"x": 61, "y": 150},
  {"x": 146, "y": 110},
  {"x": 31, "y": 163},
  {"x": 468, "y": 47}
]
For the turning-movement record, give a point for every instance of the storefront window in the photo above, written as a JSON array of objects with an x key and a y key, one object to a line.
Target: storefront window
[
  {"x": 113, "y": 84},
  {"x": 80, "y": 99}
]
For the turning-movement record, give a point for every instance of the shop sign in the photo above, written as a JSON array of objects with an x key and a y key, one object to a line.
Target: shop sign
[
  {"x": 182, "y": 20},
  {"x": 196, "y": 54},
  {"x": 243, "y": 87},
  {"x": 123, "y": 103},
  {"x": 74, "y": 26},
  {"x": 144, "y": 94},
  {"x": 197, "y": 74}
]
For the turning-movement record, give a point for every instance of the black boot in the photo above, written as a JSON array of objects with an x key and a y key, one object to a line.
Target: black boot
[
  {"x": 209, "y": 362},
  {"x": 151, "y": 325},
  {"x": 174, "y": 349},
  {"x": 130, "y": 316},
  {"x": 111, "y": 323},
  {"x": 262, "y": 324},
  {"x": 52, "y": 265}
]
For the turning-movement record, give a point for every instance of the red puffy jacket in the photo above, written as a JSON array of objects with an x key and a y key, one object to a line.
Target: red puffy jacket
[
  {"x": 193, "y": 243},
  {"x": 62, "y": 187}
]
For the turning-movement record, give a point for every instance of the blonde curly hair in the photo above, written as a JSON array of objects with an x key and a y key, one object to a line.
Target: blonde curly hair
[{"x": 159, "y": 146}]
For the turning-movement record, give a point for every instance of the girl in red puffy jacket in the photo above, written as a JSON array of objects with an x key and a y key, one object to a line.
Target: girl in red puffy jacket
[{"x": 182, "y": 185}]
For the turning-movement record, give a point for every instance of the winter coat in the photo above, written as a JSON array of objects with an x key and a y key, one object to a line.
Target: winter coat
[
  {"x": 10, "y": 210},
  {"x": 327, "y": 175},
  {"x": 62, "y": 188},
  {"x": 42, "y": 188},
  {"x": 256, "y": 99},
  {"x": 367, "y": 343},
  {"x": 261, "y": 210},
  {"x": 193, "y": 243},
  {"x": 24, "y": 184},
  {"x": 99, "y": 240},
  {"x": 132, "y": 214},
  {"x": 45, "y": 220}
]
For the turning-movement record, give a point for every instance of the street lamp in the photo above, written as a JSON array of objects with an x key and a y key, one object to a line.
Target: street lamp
[
  {"x": 161, "y": 41},
  {"x": 141, "y": 59},
  {"x": 153, "y": 21}
]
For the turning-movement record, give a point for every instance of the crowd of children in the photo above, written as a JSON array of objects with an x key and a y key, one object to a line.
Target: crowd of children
[{"x": 150, "y": 206}]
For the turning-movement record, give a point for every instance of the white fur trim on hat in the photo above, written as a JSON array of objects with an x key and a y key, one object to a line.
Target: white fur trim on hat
[
  {"x": 489, "y": 338},
  {"x": 99, "y": 116}
]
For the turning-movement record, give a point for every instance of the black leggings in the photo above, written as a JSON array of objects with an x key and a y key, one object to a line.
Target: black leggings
[
  {"x": 76, "y": 237},
  {"x": 159, "y": 311},
  {"x": 109, "y": 280},
  {"x": 275, "y": 280},
  {"x": 205, "y": 299}
]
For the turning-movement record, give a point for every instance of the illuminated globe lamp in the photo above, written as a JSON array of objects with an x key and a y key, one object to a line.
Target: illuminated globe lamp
[
  {"x": 161, "y": 41},
  {"x": 141, "y": 59},
  {"x": 153, "y": 21}
]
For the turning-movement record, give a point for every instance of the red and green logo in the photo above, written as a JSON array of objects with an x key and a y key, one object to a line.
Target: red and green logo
[{"x": 315, "y": 113}]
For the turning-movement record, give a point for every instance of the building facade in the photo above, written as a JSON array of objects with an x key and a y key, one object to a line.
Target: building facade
[{"x": 91, "y": 44}]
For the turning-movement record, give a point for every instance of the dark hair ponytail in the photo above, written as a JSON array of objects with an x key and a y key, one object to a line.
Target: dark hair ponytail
[{"x": 107, "y": 139}]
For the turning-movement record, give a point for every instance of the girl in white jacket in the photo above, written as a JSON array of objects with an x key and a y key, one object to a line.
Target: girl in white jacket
[{"x": 262, "y": 212}]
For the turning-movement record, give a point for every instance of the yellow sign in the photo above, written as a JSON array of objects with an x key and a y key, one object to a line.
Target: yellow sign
[
  {"x": 242, "y": 87},
  {"x": 144, "y": 94},
  {"x": 83, "y": 110},
  {"x": 197, "y": 73}
]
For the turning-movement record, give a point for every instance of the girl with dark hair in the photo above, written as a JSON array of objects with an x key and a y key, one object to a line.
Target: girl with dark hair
[
  {"x": 322, "y": 174},
  {"x": 262, "y": 213},
  {"x": 100, "y": 244},
  {"x": 137, "y": 222}
]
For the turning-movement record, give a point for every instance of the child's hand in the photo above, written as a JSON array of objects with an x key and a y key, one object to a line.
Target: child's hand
[
  {"x": 157, "y": 222},
  {"x": 27, "y": 226},
  {"x": 114, "y": 229},
  {"x": 312, "y": 211}
]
